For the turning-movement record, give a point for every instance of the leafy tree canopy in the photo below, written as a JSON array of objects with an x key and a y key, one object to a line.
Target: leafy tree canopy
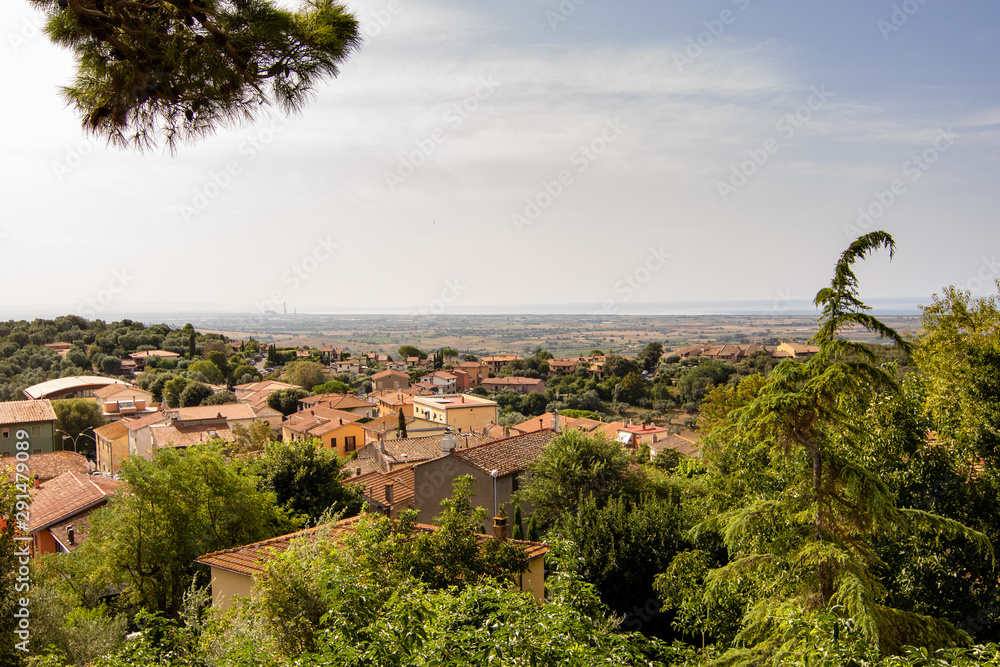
[{"x": 176, "y": 70}]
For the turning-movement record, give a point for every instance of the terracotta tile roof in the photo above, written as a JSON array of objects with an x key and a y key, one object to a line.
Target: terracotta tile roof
[
  {"x": 644, "y": 429},
  {"x": 255, "y": 394},
  {"x": 318, "y": 420},
  {"x": 81, "y": 530},
  {"x": 390, "y": 373},
  {"x": 225, "y": 411},
  {"x": 449, "y": 401},
  {"x": 512, "y": 381},
  {"x": 112, "y": 431},
  {"x": 609, "y": 430},
  {"x": 677, "y": 443},
  {"x": 178, "y": 435},
  {"x": 26, "y": 412},
  {"x": 386, "y": 424},
  {"x": 67, "y": 495},
  {"x": 47, "y": 465},
  {"x": 410, "y": 450},
  {"x": 338, "y": 401},
  {"x": 143, "y": 422},
  {"x": 374, "y": 483},
  {"x": 251, "y": 559},
  {"x": 510, "y": 455},
  {"x": 112, "y": 389}
]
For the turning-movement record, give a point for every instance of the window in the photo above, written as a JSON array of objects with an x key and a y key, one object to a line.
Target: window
[
  {"x": 515, "y": 482},
  {"x": 36, "y": 431},
  {"x": 333, "y": 443},
  {"x": 349, "y": 443},
  {"x": 6, "y": 433}
]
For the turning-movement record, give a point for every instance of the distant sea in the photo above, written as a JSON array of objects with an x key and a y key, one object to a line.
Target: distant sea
[{"x": 146, "y": 312}]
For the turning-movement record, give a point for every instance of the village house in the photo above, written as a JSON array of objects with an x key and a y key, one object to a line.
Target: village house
[
  {"x": 386, "y": 493},
  {"x": 459, "y": 411},
  {"x": 60, "y": 508},
  {"x": 112, "y": 446},
  {"x": 344, "y": 402},
  {"x": 387, "y": 428},
  {"x": 497, "y": 363},
  {"x": 234, "y": 571},
  {"x": 184, "y": 427},
  {"x": 439, "y": 382},
  {"x": 497, "y": 468},
  {"x": 118, "y": 401},
  {"x": 678, "y": 443},
  {"x": 31, "y": 422},
  {"x": 389, "y": 455},
  {"x": 335, "y": 429},
  {"x": 634, "y": 437},
  {"x": 565, "y": 366},
  {"x": 477, "y": 371},
  {"x": 516, "y": 384},
  {"x": 390, "y": 380},
  {"x": 140, "y": 357}
]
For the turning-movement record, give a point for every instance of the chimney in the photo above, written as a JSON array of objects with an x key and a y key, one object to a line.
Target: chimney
[
  {"x": 388, "y": 493},
  {"x": 358, "y": 472},
  {"x": 555, "y": 421},
  {"x": 449, "y": 441},
  {"x": 37, "y": 483},
  {"x": 500, "y": 528},
  {"x": 70, "y": 535}
]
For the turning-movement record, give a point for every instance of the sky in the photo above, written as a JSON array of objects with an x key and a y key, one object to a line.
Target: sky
[{"x": 576, "y": 155}]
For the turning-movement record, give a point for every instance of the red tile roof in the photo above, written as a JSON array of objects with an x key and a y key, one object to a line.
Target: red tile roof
[
  {"x": 112, "y": 431},
  {"x": 178, "y": 435},
  {"x": 26, "y": 412},
  {"x": 67, "y": 495},
  {"x": 47, "y": 465},
  {"x": 678, "y": 443},
  {"x": 337, "y": 401},
  {"x": 225, "y": 411},
  {"x": 251, "y": 559},
  {"x": 373, "y": 484},
  {"x": 112, "y": 389},
  {"x": 515, "y": 381},
  {"x": 390, "y": 373},
  {"x": 510, "y": 455},
  {"x": 142, "y": 422}
]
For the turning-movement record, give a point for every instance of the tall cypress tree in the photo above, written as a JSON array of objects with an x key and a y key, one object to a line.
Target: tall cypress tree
[{"x": 402, "y": 424}]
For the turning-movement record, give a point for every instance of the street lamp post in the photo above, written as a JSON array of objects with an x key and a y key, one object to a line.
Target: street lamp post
[
  {"x": 493, "y": 474},
  {"x": 72, "y": 438}
]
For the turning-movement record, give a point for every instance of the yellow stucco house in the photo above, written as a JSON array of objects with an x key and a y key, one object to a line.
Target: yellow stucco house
[
  {"x": 112, "y": 446},
  {"x": 336, "y": 429},
  {"x": 234, "y": 571},
  {"x": 462, "y": 412}
]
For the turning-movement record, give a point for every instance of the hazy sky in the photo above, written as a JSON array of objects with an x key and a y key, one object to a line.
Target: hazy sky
[{"x": 534, "y": 152}]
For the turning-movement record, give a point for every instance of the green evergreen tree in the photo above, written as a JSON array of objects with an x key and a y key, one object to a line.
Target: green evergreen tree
[
  {"x": 402, "y": 424},
  {"x": 518, "y": 532},
  {"x": 812, "y": 512},
  {"x": 178, "y": 70},
  {"x": 533, "y": 533}
]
